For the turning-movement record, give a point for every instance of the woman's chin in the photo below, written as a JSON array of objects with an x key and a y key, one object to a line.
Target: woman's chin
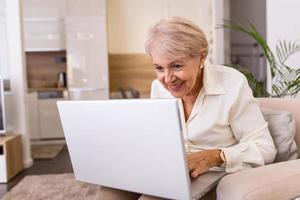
[{"x": 177, "y": 94}]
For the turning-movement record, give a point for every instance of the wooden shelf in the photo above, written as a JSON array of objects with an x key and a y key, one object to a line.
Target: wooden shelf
[{"x": 11, "y": 161}]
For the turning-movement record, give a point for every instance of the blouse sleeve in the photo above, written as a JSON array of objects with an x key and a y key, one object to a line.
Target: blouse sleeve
[
  {"x": 153, "y": 93},
  {"x": 255, "y": 146}
]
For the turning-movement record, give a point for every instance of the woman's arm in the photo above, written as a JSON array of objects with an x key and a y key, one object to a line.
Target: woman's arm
[{"x": 254, "y": 147}]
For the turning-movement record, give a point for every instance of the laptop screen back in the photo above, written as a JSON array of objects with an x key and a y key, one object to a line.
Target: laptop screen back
[{"x": 134, "y": 145}]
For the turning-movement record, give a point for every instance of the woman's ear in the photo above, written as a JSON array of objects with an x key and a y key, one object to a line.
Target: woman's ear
[{"x": 201, "y": 62}]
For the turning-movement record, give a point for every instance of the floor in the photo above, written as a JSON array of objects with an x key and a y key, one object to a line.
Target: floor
[{"x": 60, "y": 164}]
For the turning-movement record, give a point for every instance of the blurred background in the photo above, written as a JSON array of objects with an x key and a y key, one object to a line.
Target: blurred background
[{"x": 53, "y": 50}]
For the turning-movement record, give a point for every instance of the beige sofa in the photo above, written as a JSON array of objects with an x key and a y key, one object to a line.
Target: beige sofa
[{"x": 274, "y": 181}]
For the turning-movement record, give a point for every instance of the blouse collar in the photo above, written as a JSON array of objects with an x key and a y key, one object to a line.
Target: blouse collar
[{"x": 211, "y": 83}]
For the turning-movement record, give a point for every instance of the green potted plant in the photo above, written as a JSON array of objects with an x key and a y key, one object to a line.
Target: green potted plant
[{"x": 285, "y": 79}]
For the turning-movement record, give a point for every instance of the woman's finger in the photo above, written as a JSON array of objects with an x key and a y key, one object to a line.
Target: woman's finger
[{"x": 198, "y": 171}]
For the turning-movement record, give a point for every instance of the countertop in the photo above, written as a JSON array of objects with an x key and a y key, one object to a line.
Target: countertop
[{"x": 46, "y": 89}]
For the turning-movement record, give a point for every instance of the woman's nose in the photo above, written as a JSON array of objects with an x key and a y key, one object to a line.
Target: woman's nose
[{"x": 168, "y": 76}]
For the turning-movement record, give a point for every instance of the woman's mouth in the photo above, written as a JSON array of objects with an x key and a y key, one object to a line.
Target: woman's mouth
[{"x": 176, "y": 87}]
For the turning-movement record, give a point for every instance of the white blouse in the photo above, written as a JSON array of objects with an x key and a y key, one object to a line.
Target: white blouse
[{"x": 226, "y": 116}]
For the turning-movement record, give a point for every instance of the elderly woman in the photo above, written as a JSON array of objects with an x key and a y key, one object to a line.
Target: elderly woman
[{"x": 224, "y": 128}]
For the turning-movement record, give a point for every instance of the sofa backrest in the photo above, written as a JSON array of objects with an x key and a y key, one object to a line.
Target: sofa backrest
[{"x": 288, "y": 104}]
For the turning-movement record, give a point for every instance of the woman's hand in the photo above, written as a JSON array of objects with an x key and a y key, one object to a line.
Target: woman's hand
[{"x": 201, "y": 161}]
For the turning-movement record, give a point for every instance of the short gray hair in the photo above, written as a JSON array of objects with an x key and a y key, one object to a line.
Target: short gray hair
[{"x": 177, "y": 37}]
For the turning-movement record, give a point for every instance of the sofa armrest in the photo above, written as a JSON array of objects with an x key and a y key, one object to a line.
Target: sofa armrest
[{"x": 274, "y": 181}]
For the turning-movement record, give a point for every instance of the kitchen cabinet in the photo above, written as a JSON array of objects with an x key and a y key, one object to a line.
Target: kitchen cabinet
[
  {"x": 83, "y": 23},
  {"x": 44, "y": 34},
  {"x": 32, "y": 112},
  {"x": 87, "y": 55},
  {"x": 50, "y": 125},
  {"x": 43, "y": 118},
  {"x": 44, "y": 25}
]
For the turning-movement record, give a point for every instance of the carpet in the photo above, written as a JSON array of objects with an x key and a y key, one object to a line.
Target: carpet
[
  {"x": 48, "y": 151},
  {"x": 52, "y": 187}
]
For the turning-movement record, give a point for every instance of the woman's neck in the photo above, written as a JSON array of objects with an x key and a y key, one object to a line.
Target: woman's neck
[
  {"x": 192, "y": 96},
  {"x": 190, "y": 99}
]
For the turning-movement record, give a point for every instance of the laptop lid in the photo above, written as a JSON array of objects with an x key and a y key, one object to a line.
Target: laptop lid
[{"x": 134, "y": 145}]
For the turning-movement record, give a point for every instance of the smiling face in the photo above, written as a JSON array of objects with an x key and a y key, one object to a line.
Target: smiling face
[
  {"x": 178, "y": 49},
  {"x": 181, "y": 77}
]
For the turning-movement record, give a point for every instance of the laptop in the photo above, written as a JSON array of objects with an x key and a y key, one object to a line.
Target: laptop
[{"x": 134, "y": 145}]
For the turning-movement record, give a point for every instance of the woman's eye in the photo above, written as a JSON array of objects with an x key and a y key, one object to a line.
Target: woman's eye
[
  {"x": 177, "y": 67},
  {"x": 158, "y": 68}
]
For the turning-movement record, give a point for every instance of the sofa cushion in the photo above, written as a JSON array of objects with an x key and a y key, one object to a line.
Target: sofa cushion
[
  {"x": 274, "y": 181},
  {"x": 282, "y": 127}
]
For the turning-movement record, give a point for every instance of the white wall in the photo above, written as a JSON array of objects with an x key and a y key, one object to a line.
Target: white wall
[
  {"x": 16, "y": 63},
  {"x": 2, "y": 8},
  {"x": 283, "y": 23},
  {"x": 220, "y": 39},
  {"x": 129, "y": 21},
  {"x": 4, "y": 72}
]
